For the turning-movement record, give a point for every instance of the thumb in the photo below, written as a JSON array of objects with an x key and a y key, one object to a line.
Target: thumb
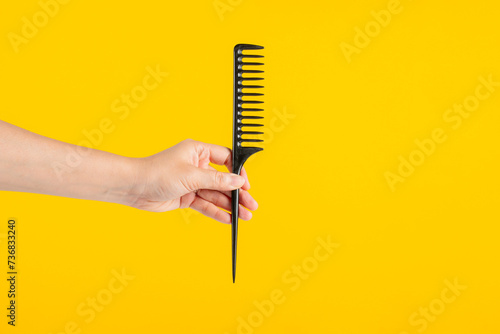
[{"x": 215, "y": 180}]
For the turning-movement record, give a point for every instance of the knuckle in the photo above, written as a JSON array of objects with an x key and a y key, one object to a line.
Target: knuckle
[
  {"x": 206, "y": 207},
  {"x": 218, "y": 178}
]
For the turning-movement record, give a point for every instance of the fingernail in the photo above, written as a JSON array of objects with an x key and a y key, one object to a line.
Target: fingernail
[{"x": 237, "y": 181}]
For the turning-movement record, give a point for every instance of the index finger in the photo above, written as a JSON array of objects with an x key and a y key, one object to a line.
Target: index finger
[{"x": 221, "y": 155}]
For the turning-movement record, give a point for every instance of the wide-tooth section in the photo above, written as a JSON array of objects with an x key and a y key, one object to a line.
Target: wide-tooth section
[
  {"x": 252, "y": 133},
  {"x": 241, "y": 64},
  {"x": 242, "y": 47},
  {"x": 244, "y": 67},
  {"x": 251, "y": 94},
  {"x": 247, "y": 101},
  {"x": 251, "y": 140},
  {"x": 243, "y": 148},
  {"x": 251, "y": 109},
  {"x": 251, "y": 71},
  {"x": 241, "y": 87},
  {"x": 249, "y": 79},
  {"x": 249, "y": 56},
  {"x": 251, "y": 117},
  {"x": 250, "y": 124}
]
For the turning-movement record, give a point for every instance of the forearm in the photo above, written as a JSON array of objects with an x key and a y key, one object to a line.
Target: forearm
[{"x": 37, "y": 164}]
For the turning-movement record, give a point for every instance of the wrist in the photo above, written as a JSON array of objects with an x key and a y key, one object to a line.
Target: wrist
[{"x": 128, "y": 187}]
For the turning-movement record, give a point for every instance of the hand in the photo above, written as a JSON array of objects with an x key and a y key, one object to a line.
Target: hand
[{"x": 181, "y": 177}]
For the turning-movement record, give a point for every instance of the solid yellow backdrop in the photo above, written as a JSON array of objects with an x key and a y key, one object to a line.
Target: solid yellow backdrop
[{"x": 378, "y": 185}]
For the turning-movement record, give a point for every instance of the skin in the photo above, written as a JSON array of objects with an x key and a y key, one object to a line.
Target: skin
[{"x": 178, "y": 177}]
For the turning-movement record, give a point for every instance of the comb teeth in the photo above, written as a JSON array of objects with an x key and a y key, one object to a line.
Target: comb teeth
[
  {"x": 240, "y": 82},
  {"x": 251, "y": 94},
  {"x": 252, "y": 71},
  {"x": 252, "y": 117},
  {"x": 247, "y": 67},
  {"x": 240, "y": 58},
  {"x": 241, "y": 64},
  {"x": 247, "y": 101},
  {"x": 252, "y": 133},
  {"x": 241, "y": 87},
  {"x": 251, "y": 109},
  {"x": 243, "y": 122}
]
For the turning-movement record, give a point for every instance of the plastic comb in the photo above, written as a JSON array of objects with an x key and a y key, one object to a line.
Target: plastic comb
[{"x": 245, "y": 118}]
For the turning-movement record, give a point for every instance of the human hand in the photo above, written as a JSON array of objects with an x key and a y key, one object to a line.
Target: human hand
[{"x": 181, "y": 177}]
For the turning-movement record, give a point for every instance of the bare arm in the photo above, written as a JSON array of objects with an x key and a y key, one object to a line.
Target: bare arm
[{"x": 178, "y": 177}]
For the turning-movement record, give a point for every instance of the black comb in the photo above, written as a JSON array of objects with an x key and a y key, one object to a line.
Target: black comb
[{"x": 246, "y": 69}]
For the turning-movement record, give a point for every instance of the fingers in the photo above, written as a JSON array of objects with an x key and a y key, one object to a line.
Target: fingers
[
  {"x": 211, "y": 210},
  {"x": 211, "y": 179},
  {"x": 224, "y": 202},
  {"x": 243, "y": 173},
  {"x": 221, "y": 155},
  {"x": 245, "y": 199}
]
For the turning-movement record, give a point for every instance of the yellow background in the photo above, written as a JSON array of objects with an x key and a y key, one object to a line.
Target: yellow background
[{"x": 321, "y": 173}]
